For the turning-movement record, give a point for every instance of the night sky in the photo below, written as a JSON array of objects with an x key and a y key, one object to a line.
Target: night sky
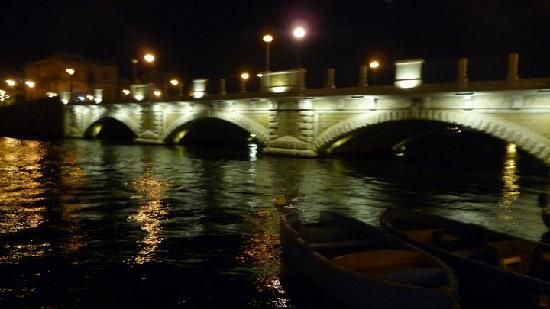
[{"x": 220, "y": 38}]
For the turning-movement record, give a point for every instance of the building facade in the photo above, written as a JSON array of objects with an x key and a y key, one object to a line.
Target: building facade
[{"x": 68, "y": 73}]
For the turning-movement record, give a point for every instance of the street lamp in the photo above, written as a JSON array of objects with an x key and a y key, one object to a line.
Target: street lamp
[
  {"x": 150, "y": 58},
  {"x": 178, "y": 85},
  {"x": 11, "y": 83},
  {"x": 299, "y": 33},
  {"x": 71, "y": 72},
  {"x": 374, "y": 65},
  {"x": 244, "y": 78},
  {"x": 134, "y": 69},
  {"x": 268, "y": 38}
]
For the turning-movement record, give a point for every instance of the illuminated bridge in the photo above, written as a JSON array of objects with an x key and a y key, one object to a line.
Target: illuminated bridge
[{"x": 289, "y": 119}]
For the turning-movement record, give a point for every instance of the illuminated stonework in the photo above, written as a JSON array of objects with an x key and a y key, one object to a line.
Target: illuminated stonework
[{"x": 307, "y": 126}]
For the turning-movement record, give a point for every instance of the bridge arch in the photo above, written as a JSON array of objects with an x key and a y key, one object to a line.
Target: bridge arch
[
  {"x": 528, "y": 140},
  {"x": 117, "y": 129},
  {"x": 99, "y": 113},
  {"x": 247, "y": 124}
]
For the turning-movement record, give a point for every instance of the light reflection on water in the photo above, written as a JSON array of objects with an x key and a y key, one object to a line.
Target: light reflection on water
[
  {"x": 150, "y": 214},
  {"x": 210, "y": 219},
  {"x": 21, "y": 195},
  {"x": 510, "y": 183}
]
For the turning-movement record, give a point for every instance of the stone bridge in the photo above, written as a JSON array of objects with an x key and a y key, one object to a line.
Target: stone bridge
[{"x": 311, "y": 122}]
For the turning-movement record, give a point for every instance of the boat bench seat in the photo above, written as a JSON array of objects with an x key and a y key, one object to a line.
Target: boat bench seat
[
  {"x": 450, "y": 241},
  {"x": 541, "y": 263},
  {"x": 381, "y": 260},
  {"x": 476, "y": 253},
  {"x": 421, "y": 235},
  {"x": 513, "y": 255},
  {"x": 401, "y": 266},
  {"x": 341, "y": 244}
]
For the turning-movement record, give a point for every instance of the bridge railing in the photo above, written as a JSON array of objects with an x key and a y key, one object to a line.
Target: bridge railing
[{"x": 480, "y": 72}]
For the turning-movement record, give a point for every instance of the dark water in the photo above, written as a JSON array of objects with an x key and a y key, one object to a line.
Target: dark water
[{"x": 89, "y": 224}]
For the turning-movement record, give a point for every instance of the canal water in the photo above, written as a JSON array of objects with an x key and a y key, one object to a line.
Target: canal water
[{"x": 97, "y": 225}]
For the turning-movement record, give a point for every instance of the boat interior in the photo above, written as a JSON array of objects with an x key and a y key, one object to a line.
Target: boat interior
[
  {"x": 516, "y": 255},
  {"x": 370, "y": 254}
]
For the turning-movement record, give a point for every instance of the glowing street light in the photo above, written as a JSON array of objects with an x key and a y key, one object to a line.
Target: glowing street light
[
  {"x": 299, "y": 33},
  {"x": 174, "y": 82},
  {"x": 245, "y": 75},
  {"x": 374, "y": 64},
  {"x": 149, "y": 58},
  {"x": 71, "y": 72},
  {"x": 30, "y": 84},
  {"x": 157, "y": 93},
  {"x": 268, "y": 38},
  {"x": 11, "y": 82}
]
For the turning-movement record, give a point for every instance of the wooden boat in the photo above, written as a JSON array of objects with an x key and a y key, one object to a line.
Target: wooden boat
[
  {"x": 493, "y": 269},
  {"x": 360, "y": 266}
]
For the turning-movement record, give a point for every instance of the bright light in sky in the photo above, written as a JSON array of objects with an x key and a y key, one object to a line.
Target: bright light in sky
[{"x": 299, "y": 32}]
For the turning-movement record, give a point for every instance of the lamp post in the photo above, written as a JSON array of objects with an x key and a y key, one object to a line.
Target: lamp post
[
  {"x": 134, "y": 70},
  {"x": 150, "y": 58},
  {"x": 174, "y": 82},
  {"x": 71, "y": 72},
  {"x": 30, "y": 88},
  {"x": 374, "y": 65},
  {"x": 244, "y": 78},
  {"x": 299, "y": 33},
  {"x": 268, "y": 38}
]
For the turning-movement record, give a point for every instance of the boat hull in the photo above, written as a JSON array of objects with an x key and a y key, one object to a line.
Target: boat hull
[
  {"x": 354, "y": 289},
  {"x": 482, "y": 283}
]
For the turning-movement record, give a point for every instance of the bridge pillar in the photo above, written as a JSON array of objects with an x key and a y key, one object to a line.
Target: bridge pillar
[
  {"x": 222, "y": 87},
  {"x": 462, "y": 76},
  {"x": 150, "y": 127},
  {"x": 363, "y": 71},
  {"x": 512, "y": 77},
  {"x": 292, "y": 128},
  {"x": 329, "y": 79}
]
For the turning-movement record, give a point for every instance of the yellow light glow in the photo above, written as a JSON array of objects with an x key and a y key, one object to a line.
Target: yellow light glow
[
  {"x": 279, "y": 89},
  {"x": 374, "y": 64},
  {"x": 135, "y": 61},
  {"x": 245, "y": 75},
  {"x": 511, "y": 149},
  {"x": 259, "y": 75},
  {"x": 70, "y": 71},
  {"x": 51, "y": 94},
  {"x": 89, "y": 97},
  {"x": 149, "y": 58},
  {"x": 30, "y": 83},
  {"x": 139, "y": 96},
  {"x": 180, "y": 136},
  {"x": 407, "y": 84},
  {"x": 3, "y": 95},
  {"x": 96, "y": 130},
  {"x": 299, "y": 32},
  {"x": 10, "y": 82},
  {"x": 268, "y": 38},
  {"x": 157, "y": 93},
  {"x": 510, "y": 183},
  {"x": 174, "y": 82},
  {"x": 125, "y": 91}
]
